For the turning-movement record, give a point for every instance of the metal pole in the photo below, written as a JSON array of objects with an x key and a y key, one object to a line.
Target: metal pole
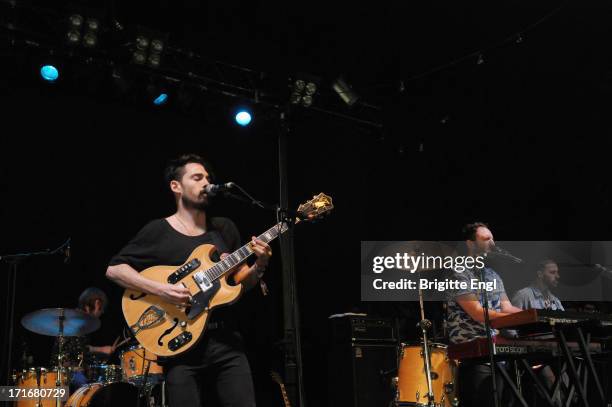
[{"x": 291, "y": 322}]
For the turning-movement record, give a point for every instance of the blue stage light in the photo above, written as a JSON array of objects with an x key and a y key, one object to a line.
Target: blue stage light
[
  {"x": 161, "y": 99},
  {"x": 243, "y": 118},
  {"x": 49, "y": 73}
]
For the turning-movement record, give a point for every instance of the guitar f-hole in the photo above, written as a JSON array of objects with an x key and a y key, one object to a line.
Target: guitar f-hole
[
  {"x": 167, "y": 331},
  {"x": 137, "y": 297}
]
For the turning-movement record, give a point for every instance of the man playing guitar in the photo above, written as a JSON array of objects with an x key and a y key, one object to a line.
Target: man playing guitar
[{"x": 216, "y": 364}]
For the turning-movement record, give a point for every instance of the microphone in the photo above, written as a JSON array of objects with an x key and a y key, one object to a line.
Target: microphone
[
  {"x": 604, "y": 270},
  {"x": 214, "y": 189},
  {"x": 504, "y": 253}
]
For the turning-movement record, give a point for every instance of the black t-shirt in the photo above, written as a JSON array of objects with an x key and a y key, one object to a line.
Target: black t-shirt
[{"x": 159, "y": 244}]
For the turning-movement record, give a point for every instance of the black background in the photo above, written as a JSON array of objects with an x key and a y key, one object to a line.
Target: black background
[{"x": 520, "y": 141}]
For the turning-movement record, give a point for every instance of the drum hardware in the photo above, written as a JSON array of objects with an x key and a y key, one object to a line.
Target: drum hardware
[
  {"x": 140, "y": 367},
  {"x": 426, "y": 396},
  {"x": 425, "y": 324},
  {"x": 38, "y": 377},
  {"x": 144, "y": 376},
  {"x": 104, "y": 373},
  {"x": 59, "y": 322},
  {"x": 412, "y": 383}
]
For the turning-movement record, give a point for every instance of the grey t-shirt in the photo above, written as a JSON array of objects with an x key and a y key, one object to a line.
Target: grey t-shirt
[
  {"x": 532, "y": 297},
  {"x": 462, "y": 327}
]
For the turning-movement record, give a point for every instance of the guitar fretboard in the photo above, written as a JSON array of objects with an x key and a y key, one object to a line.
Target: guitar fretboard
[{"x": 239, "y": 255}]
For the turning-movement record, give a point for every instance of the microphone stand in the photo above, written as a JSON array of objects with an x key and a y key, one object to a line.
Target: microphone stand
[
  {"x": 291, "y": 318},
  {"x": 425, "y": 324},
  {"x": 14, "y": 260},
  {"x": 487, "y": 321},
  {"x": 287, "y": 215}
]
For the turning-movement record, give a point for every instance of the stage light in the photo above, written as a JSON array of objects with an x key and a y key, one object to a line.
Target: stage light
[
  {"x": 157, "y": 92},
  {"x": 346, "y": 93},
  {"x": 139, "y": 57},
  {"x": 160, "y": 99},
  {"x": 82, "y": 31},
  {"x": 93, "y": 24},
  {"x": 76, "y": 20},
  {"x": 90, "y": 40},
  {"x": 49, "y": 73},
  {"x": 154, "y": 61},
  {"x": 243, "y": 118},
  {"x": 150, "y": 47},
  {"x": 142, "y": 43},
  {"x": 303, "y": 90},
  {"x": 73, "y": 37},
  {"x": 157, "y": 46}
]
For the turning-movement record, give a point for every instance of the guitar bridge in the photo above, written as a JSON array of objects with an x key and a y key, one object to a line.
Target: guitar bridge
[
  {"x": 203, "y": 281},
  {"x": 150, "y": 317}
]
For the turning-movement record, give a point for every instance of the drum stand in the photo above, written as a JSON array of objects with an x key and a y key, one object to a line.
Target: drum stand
[
  {"x": 60, "y": 356},
  {"x": 425, "y": 324}
]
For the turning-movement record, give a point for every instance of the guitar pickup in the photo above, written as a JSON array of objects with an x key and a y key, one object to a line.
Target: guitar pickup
[
  {"x": 183, "y": 271},
  {"x": 180, "y": 341}
]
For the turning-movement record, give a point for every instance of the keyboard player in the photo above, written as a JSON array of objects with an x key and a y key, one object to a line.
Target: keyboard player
[
  {"x": 466, "y": 318},
  {"x": 539, "y": 294}
]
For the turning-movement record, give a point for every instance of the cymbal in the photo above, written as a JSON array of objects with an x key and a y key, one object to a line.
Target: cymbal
[{"x": 47, "y": 322}]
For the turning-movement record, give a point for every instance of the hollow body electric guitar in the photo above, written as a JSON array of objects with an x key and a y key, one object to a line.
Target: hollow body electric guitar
[{"x": 167, "y": 329}]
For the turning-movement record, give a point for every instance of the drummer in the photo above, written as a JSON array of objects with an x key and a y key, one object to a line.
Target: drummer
[{"x": 78, "y": 352}]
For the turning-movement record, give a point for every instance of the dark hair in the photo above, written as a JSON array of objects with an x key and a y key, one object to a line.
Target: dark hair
[
  {"x": 175, "y": 169},
  {"x": 542, "y": 264},
  {"x": 469, "y": 231},
  {"x": 89, "y": 296}
]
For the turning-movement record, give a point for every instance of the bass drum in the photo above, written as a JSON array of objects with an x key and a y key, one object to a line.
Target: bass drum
[
  {"x": 104, "y": 395},
  {"x": 412, "y": 383}
]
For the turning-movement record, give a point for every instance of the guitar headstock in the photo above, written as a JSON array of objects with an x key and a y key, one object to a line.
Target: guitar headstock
[
  {"x": 319, "y": 206},
  {"x": 276, "y": 377}
]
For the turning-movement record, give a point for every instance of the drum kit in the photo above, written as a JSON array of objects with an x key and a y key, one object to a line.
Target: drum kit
[
  {"x": 137, "y": 381},
  {"x": 426, "y": 376}
]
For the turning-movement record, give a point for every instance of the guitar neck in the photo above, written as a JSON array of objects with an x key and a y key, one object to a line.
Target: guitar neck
[
  {"x": 240, "y": 255},
  {"x": 285, "y": 397}
]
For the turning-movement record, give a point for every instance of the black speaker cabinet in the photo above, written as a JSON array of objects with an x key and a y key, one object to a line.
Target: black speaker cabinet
[{"x": 360, "y": 374}]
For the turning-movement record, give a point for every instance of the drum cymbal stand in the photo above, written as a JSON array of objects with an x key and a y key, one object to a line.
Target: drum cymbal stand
[
  {"x": 60, "y": 355},
  {"x": 425, "y": 324}
]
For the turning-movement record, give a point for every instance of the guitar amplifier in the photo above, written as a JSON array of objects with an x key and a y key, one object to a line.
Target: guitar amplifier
[
  {"x": 360, "y": 375},
  {"x": 363, "y": 329}
]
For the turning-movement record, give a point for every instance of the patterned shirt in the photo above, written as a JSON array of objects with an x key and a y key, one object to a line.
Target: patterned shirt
[
  {"x": 462, "y": 327},
  {"x": 532, "y": 297}
]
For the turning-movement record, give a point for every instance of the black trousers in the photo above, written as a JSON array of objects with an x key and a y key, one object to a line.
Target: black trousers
[{"x": 215, "y": 373}]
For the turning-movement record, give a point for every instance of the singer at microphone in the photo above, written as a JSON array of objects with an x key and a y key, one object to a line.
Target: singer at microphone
[
  {"x": 214, "y": 189},
  {"x": 466, "y": 316}
]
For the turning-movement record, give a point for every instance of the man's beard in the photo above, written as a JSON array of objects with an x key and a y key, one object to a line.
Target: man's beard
[{"x": 189, "y": 204}]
